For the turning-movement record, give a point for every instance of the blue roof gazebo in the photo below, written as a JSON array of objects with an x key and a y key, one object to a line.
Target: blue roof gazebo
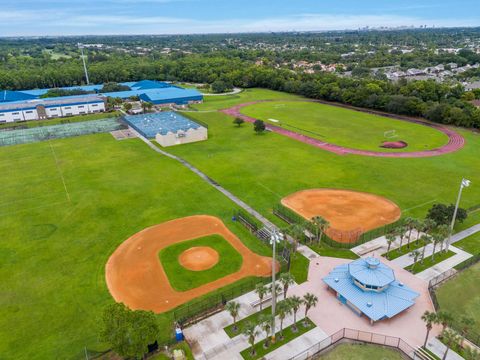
[{"x": 369, "y": 287}]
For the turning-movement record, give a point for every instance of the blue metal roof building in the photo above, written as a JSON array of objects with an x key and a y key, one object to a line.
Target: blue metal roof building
[
  {"x": 156, "y": 92},
  {"x": 369, "y": 287}
]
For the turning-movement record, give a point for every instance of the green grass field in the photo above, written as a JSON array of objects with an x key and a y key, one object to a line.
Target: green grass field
[
  {"x": 67, "y": 204},
  {"x": 182, "y": 279},
  {"x": 461, "y": 294},
  {"x": 361, "y": 352},
  {"x": 345, "y": 127},
  {"x": 52, "y": 262}
]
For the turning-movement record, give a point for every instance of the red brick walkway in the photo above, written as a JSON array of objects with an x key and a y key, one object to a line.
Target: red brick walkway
[{"x": 455, "y": 140}]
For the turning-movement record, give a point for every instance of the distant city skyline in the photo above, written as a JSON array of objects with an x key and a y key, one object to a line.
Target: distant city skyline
[{"x": 118, "y": 17}]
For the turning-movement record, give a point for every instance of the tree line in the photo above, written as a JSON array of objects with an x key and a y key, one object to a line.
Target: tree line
[{"x": 440, "y": 103}]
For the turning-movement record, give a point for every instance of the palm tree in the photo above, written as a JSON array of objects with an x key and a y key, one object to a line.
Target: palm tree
[
  {"x": 233, "y": 307},
  {"x": 415, "y": 254},
  {"x": 310, "y": 301},
  {"x": 251, "y": 332},
  {"x": 286, "y": 279},
  {"x": 295, "y": 303},
  {"x": 429, "y": 318},
  {"x": 428, "y": 225},
  {"x": 277, "y": 288},
  {"x": 283, "y": 309},
  {"x": 322, "y": 225},
  {"x": 265, "y": 322},
  {"x": 420, "y": 226},
  {"x": 409, "y": 224},
  {"x": 391, "y": 237},
  {"x": 449, "y": 337},
  {"x": 401, "y": 231},
  {"x": 466, "y": 324},
  {"x": 444, "y": 318},
  {"x": 298, "y": 233},
  {"x": 436, "y": 239},
  {"x": 261, "y": 291},
  {"x": 426, "y": 239},
  {"x": 443, "y": 231}
]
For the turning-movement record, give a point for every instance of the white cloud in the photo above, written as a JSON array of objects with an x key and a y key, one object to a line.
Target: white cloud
[{"x": 67, "y": 23}]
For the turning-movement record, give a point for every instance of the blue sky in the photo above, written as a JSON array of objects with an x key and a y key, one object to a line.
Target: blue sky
[{"x": 73, "y": 17}]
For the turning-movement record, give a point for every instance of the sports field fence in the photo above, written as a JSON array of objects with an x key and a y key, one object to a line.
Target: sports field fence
[
  {"x": 350, "y": 335},
  {"x": 352, "y": 238},
  {"x": 199, "y": 309},
  {"x": 59, "y": 131}
]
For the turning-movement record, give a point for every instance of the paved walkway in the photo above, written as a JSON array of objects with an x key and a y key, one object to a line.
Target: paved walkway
[
  {"x": 307, "y": 252},
  {"x": 445, "y": 265},
  {"x": 208, "y": 340},
  {"x": 210, "y": 181},
  {"x": 438, "y": 348},
  {"x": 455, "y": 140}
]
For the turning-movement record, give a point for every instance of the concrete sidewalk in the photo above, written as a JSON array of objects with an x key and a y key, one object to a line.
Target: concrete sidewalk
[
  {"x": 438, "y": 348},
  {"x": 445, "y": 265}
]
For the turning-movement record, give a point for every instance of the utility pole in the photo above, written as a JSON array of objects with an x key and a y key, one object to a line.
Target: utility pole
[
  {"x": 80, "y": 46},
  {"x": 275, "y": 238},
  {"x": 463, "y": 184}
]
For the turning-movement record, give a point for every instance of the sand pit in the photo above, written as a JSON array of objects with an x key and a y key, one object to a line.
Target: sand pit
[
  {"x": 198, "y": 258},
  {"x": 350, "y": 213},
  {"x": 135, "y": 276}
]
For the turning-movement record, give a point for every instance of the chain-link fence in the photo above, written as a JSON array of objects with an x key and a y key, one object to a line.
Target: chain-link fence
[
  {"x": 60, "y": 131},
  {"x": 356, "y": 335}
]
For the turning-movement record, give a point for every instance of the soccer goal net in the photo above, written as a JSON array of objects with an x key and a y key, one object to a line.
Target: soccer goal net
[{"x": 390, "y": 134}]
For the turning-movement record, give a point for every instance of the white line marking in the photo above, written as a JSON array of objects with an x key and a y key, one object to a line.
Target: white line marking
[
  {"x": 417, "y": 206},
  {"x": 59, "y": 171}
]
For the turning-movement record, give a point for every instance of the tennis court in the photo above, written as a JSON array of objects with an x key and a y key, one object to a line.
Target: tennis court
[{"x": 30, "y": 135}]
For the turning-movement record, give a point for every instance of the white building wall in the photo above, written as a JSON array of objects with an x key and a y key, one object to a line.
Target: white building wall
[
  {"x": 191, "y": 135},
  {"x": 52, "y": 112},
  {"x": 30, "y": 114}
]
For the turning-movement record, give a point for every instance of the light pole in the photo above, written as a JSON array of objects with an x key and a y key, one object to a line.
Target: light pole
[
  {"x": 274, "y": 239},
  {"x": 80, "y": 46},
  {"x": 465, "y": 183}
]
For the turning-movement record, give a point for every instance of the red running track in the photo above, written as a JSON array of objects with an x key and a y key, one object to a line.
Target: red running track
[{"x": 455, "y": 140}]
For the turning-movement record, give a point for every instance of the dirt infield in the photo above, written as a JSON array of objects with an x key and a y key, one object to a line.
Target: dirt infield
[
  {"x": 350, "y": 213},
  {"x": 135, "y": 276},
  {"x": 198, "y": 258}
]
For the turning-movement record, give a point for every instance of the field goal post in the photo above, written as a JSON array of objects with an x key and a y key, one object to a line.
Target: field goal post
[{"x": 389, "y": 134}]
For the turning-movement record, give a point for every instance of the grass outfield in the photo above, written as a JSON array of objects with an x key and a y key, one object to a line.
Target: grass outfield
[
  {"x": 52, "y": 258},
  {"x": 461, "y": 295},
  {"x": 361, "y": 352},
  {"x": 345, "y": 127},
  {"x": 222, "y": 102},
  {"x": 182, "y": 279},
  {"x": 274, "y": 166}
]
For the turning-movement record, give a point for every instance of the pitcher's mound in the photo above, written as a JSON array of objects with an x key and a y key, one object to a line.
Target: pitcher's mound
[
  {"x": 198, "y": 258},
  {"x": 350, "y": 213}
]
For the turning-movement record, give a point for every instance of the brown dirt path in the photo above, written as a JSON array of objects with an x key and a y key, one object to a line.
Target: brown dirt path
[
  {"x": 135, "y": 276},
  {"x": 349, "y": 213}
]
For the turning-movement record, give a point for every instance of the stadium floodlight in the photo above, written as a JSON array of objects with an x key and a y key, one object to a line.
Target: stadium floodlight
[
  {"x": 80, "y": 46},
  {"x": 275, "y": 238},
  {"x": 465, "y": 183}
]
